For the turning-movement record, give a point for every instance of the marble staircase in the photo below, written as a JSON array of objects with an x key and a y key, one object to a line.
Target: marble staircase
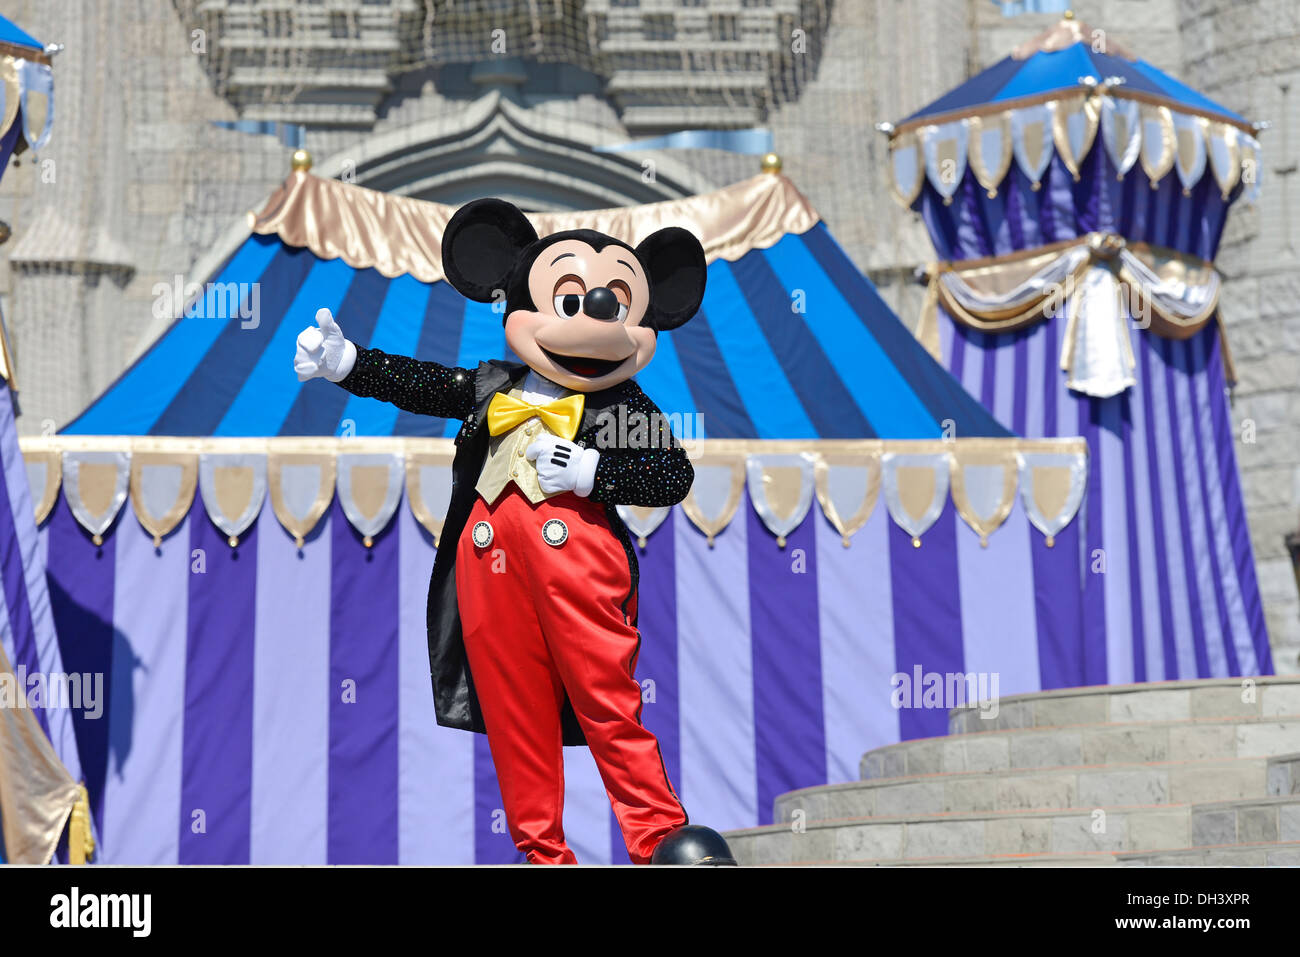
[{"x": 1174, "y": 773}]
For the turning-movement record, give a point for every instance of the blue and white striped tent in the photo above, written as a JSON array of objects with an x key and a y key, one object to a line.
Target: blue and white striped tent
[
  {"x": 792, "y": 342},
  {"x": 228, "y": 600}
]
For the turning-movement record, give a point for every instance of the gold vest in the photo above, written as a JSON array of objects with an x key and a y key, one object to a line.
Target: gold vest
[{"x": 507, "y": 460}]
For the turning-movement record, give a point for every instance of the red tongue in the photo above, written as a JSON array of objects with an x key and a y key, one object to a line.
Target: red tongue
[{"x": 584, "y": 369}]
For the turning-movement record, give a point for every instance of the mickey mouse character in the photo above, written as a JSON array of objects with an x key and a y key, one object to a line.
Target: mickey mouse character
[{"x": 533, "y": 614}]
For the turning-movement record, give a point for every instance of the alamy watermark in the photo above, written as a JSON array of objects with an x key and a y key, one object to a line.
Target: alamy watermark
[
  {"x": 946, "y": 690},
  {"x": 81, "y": 691},
  {"x": 648, "y": 430},
  {"x": 213, "y": 300}
]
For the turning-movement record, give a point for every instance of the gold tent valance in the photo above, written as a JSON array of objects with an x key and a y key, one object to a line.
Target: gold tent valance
[
  {"x": 1102, "y": 283},
  {"x": 300, "y": 477},
  {"x": 397, "y": 235}
]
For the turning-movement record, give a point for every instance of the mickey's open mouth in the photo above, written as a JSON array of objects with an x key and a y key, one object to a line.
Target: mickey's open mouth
[{"x": 584, "y": 366}]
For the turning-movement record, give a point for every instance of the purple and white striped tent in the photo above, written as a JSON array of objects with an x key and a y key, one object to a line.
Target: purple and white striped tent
[{"x": 1076, "y": 198}]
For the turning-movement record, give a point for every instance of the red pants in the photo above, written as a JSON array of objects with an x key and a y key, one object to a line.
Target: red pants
[{"x": 541, "y": 620}]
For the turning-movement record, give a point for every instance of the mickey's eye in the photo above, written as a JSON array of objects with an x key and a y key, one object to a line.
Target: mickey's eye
[
  {"x": 624, "y": 296},
  {"x": 568, "y": 305},
  {"x": 569, "y": 294}
]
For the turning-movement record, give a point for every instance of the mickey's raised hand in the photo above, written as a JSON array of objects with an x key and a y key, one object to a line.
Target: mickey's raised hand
[{"x": 322, "y": 350}]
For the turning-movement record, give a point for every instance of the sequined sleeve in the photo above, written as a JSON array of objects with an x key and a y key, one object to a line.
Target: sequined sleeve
[
  {"x": 425, "y": 388},
  {"x": 647, "y": 468}
]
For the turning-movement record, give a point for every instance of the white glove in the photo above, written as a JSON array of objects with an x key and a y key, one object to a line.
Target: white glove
[
  {"x": 322, "y": 350},
  {"x": 563, "y": 466}
]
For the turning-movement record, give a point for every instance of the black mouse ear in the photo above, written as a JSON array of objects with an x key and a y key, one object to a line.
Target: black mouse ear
[
  {"x": 481, "y": 245},
  {"x": 674, "y": 262}
]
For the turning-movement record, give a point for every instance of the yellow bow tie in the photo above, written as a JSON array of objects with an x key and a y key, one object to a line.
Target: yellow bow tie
[{"x": 561, "y": 416}]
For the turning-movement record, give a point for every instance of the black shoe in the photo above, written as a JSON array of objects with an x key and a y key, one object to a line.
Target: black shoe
[{"x": 693, "y": 844}]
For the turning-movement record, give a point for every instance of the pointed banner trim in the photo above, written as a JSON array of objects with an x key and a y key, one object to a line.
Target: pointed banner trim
[
  {"x": 847, "y": 476},
  {"x": 1131, "y": 128},
  {"x": 1121, "y": 132},
  {"x": 1224, "y": 154},
  {"x": 297, "y": 467},
  {"x": 990, "y": 150},
  {"x": 95, "y": 485},
  {"x": 1052, "y": 482},
  {"x": 833, "y": 470},
  {"x": 1190, "y": 135},
  {"x": 44, "y": 475},
  {"x": 1074, "y": 129},
  {"x": 9, "y": 90},
  {"x": 370, "y": 489},
  {"x": 720, "y": 477},
  {"x": 1031, "y": 140},
  {"x": 915, "y": 485},
  {"x": 428, "y": 488},
  {"x": 944, "y": 148},
  {"x": 230, "y": 481},
  {"x": 642, "y": 521},
  {"x": 781, "y": 490},
  {"x": 905, "y": 163},
  {"x": 1158, "y": 150},
  {"x": 36, "y": 78},
  {"x": 178, "y": 468},
  {"x": 1000, "y": 494}
]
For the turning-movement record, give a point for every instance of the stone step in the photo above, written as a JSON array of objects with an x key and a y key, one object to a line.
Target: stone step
[
  {"x": 1258, "y": 697},
  {"x": 1079, "y": 832},
  {"x": 1200, "y": 739},
  {"x": 1269, "y": 854},
  {"x": 1252, "y": 821},
  {"x": 1034, "y": 789},
  {"x": 1284, "y": 775},
  {"x": 1277, "y": 854}
]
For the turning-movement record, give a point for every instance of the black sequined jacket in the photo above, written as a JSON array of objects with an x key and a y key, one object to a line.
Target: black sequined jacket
[{"x": 637, "y": 466}]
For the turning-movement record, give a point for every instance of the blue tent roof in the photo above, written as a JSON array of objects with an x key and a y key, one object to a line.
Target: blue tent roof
[
  {"x": 1044, "y": 72},
  {"x": 10, "y": 33},
  {"x": 750, "y": 364}
]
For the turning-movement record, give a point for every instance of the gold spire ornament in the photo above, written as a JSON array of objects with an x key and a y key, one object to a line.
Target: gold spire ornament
[
  {"x": 771, "y": 163},
  {"x": 300, "y": 161}
]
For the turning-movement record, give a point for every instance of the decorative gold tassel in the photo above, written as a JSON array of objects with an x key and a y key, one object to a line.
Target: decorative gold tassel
[{"x": 81, "y": 843}]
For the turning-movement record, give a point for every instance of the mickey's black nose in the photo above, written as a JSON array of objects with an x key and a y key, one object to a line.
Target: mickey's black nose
[{"x": 601, "y": 303}]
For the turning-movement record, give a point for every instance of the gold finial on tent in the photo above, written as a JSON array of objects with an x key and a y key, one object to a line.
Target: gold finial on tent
[
  {"x": 771, "y": 163},
  {"x": 301, "y": 160},
  {"x": 1069, "y": 15}
]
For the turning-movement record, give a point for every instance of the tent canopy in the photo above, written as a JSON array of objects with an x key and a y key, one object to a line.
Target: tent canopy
[
  {"x": 11, "y": 33},
  {"x": 792, "y": 342},
  {"x": 1065, "y": 57}
]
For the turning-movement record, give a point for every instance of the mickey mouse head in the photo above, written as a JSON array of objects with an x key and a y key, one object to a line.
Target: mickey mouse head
[{"x": 583, "y": 309}]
